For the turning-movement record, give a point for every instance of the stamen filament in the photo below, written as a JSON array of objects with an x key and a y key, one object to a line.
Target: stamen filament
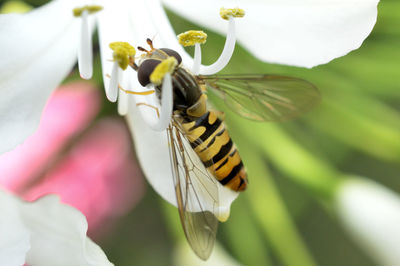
[
  {"x": 123, "y": 104},
  {"x": 151, "y": 106},
  {"x": 137, "y": 92},
  {"x": 190, "y": 38},
  {"x": 112, "y": 90},
  {"x": 85, "y": 53},
  {"x": 166, "y": 105},
  {"x": 226, "y": 54},
  {"x": 123, "y": 55},
  {"x": 197, "y": 59}
]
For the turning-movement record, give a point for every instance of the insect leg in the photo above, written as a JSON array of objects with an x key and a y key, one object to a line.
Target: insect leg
[
  {"x": 151, "y": 106},
  {"x": 137, "y": 92},
  {"x": 133, "y": 92},
  {"x": 220, "y": 114}
]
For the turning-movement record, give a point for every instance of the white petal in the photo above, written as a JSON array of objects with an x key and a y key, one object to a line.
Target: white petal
[
  {"x": 300, "y": 33},
  {"x": 59, "y": 235},
  {"x": 371, "y": 214},
  {"x": 39, "y": 51},
  {"x": 153, "y": 155},
  {"x": 45, "y": 232},
  {"x": 164, "y": 33},
  {"x": 14, "y": 236}
]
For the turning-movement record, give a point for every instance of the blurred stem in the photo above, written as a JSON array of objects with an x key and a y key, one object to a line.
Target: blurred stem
[
  {"x": 368, "y": 107},
  {"x": 352, "y": 74},
  {"x": 270, "y": 210},
  {"x": 247, "y": 244},
  {"x": 311, "y": 172},
  {"x": 389, "y": 16},
  {"x": 172, "y": 219},
  {"x": 357, "y": 130}
]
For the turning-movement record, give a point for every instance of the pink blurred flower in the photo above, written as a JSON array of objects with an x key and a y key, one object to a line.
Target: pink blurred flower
[
  {"x": 67, "y": 113},
  {"x": 97, "y": 173}
]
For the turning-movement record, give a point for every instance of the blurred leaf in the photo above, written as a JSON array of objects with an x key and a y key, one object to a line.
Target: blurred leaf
[
  {"x": 357, "y": 131},
  {"x": 243, "y": 235},
  {"x": 269, "y": 209}
]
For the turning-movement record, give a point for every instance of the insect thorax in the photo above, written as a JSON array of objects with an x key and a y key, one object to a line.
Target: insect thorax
[{"x": 187, "y": 92}]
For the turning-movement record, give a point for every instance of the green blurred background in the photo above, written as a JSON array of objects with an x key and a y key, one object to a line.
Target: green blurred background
[{"x": 285, "y": 217}]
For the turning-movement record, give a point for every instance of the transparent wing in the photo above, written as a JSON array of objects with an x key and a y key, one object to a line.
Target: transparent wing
[
  {"x": 264, "y": 97},
  {"x": 196, "y": 193}
]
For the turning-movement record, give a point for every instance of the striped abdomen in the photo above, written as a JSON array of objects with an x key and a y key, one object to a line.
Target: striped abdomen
[{"x": 211, "y": 141}]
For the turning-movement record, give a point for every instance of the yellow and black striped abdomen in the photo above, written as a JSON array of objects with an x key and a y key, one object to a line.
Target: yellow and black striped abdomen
[{"x": 211, "y": 141}]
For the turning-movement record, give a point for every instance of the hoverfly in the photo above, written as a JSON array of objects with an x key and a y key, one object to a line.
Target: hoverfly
[{"x": 203, "y": 155}]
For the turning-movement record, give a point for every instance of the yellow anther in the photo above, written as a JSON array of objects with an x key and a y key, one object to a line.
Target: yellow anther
[
  {"x": 123, "y": 52},
  {"x": 226, "y": 13},
  {"x": 129, "y": 48},
  {"x": 166, "y": 66},
  {"x": 90, "y": 9},
  {"x": 191, "y": 37}
]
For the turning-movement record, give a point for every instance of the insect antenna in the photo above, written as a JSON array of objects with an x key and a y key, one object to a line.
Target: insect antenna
[
  {"x": 150, "y": 43},
  {"x": 140, "y": 48}
]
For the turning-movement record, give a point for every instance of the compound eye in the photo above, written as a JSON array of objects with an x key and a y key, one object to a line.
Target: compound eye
[
  {"x": 145, "y": 70},
  {"x": 173, "y": 53}
]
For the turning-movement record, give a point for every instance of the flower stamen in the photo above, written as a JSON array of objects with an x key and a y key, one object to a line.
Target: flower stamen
[
  {"x": 166, "y": 66},
  {"x": 190, "y": 38},
  {"x": 165, "y": 113},
  {"x": 124, "y": 53},
  {"x": 91, "y": 9},
  {"x": 227, "y": 13},
  {"x": 222, "y": 61},
  {"x": 123, "y": 56},
  {"x": 85, "y": 53},
  {"x": 162, "y": 75},
  {"x": 143, "y": 93}
]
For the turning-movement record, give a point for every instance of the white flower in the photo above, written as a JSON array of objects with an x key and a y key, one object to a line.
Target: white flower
[
  {"x": 41, "y": 48},
  {"x": 45, "y": 233},
  {"x": 371, "y": 215},
  {"x": 300, "y": 33}
]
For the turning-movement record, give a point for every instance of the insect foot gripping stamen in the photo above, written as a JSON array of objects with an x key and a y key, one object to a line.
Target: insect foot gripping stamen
[
  {"x": 228, "y": 14},
  {"x": 85, "y": 53},
  {"x": 166, "y": 66},
  {"x": 190, "y": 38},
  {"x": 123, "y": 56}
]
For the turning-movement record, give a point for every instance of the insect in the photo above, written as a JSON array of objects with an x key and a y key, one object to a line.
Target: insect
[{"x": 203, "y": 155}]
